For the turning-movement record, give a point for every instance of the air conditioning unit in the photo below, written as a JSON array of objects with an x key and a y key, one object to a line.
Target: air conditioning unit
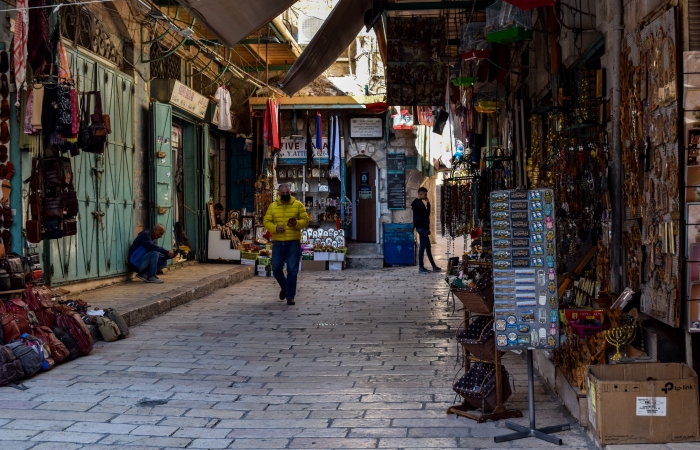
[{"x": 309, "y": 26}]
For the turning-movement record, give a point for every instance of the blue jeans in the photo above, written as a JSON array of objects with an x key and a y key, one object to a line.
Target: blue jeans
[
  {"x": 424, "y": 246},
  {"x": 286, "y": 252},
  {"x": 152, "y": 262}
]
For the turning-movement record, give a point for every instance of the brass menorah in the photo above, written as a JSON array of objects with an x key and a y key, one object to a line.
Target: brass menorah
[{"x": 620, "y": 338}]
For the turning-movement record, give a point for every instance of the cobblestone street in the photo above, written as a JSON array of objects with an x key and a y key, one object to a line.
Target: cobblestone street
[{"x": 365, "y": 359}]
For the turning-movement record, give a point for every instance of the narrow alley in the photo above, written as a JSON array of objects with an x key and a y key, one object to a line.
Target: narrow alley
[{"x": 366, "y": 359}]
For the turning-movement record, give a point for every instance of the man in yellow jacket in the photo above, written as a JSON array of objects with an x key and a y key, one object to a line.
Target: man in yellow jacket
[{"x": 284, "y": 219}]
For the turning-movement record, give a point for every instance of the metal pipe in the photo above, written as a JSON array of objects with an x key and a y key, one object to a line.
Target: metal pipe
[
  {"x": 616, "y": 163},
  {"x": 290, "y": 41}
]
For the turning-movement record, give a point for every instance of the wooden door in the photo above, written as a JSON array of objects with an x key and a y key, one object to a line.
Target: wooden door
[{"x": 366, "y": 200}]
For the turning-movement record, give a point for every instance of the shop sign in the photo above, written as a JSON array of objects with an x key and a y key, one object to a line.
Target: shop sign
[
  {"x": 189, "y": 100},
  {"x": 366, "y": 127},
  {"x": 215, "y": 116},
  {"x": 365, "y": 193},
  {"x": 293, "y": 152}
]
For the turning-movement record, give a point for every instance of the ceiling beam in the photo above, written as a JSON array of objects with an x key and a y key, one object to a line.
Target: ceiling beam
[{"x": 422, "y": 6}]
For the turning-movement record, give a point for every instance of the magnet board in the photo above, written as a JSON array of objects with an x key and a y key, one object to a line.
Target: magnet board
[{"x": 523, "y": 228}]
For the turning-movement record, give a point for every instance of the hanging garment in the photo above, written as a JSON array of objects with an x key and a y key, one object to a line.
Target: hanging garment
[
  {"x": 63, "y": 64},
  {"x": 335, "y": 149},
  {"x": 49, "y": 112},
  {"x": 271, "y": 130},
  {"x": 331, "y": 134},
  {"x": 309, "y": 144},
  {"x": 319, "y": 141},
  {"x": 20, "y": 43},
  {"x": 37, "y": 106},
  {"x": 224, "y": 98},
  {"x": 38, "y": 39},
  {"x": 28, "y": 128},
  {"x": 64, "y": 116},
  {"x": 75, "y": 111}
]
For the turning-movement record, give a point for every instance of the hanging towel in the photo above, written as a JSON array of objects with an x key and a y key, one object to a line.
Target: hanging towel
[
  {"x": 271, "y": 130},
  {"x": 224, "y": 98},
  {"x": 20, "y": 46},
  {"x": 309, "y": 144},
  {"x": 319, "y": 141}
]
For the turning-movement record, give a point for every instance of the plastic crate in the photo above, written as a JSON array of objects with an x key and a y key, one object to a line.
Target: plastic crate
[{"x": 249, "y": 255}]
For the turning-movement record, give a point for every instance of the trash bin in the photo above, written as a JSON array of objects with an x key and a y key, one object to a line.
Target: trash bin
[{"x": 399, "y": 244}]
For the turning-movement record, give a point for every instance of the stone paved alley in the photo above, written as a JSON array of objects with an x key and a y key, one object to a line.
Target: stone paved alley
[{"x": 364, "y": 360}]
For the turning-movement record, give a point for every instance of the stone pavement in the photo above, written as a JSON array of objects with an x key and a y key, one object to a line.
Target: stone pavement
[{"x": 365, "y": 359}]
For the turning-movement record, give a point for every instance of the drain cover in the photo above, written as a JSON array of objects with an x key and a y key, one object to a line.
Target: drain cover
[{"x": 148, "y": 403}]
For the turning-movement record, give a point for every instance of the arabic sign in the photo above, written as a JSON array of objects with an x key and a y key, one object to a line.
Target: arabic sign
[
  {"x": 366, "y": 127},
  {"x": 189, "y": 100}
]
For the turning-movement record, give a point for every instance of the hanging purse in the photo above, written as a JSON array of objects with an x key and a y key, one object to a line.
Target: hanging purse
[
  {"x": 52, "y": 208},
  {"x": 70, "y": 202},
  {"x": 92, "y": 134},
  {"x": 70, "y": 227},
  {"x": 52, "y": 229}
]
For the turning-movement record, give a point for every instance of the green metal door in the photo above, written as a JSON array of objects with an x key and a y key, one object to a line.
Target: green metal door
[
  {"x": 205, "y": 194},
  {"x": 103, "y": 183},
  {"x": 192, "y": 181},
  {"x": 162, "y": 169}
]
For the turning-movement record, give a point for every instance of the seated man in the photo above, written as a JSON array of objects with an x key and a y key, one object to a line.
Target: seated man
[
  {"x": 218, "y": 210},
  {"x": 146, "y": 257}
]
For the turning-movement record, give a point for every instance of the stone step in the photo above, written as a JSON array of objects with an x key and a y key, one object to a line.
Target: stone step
[
  {"x": 364, "y": 261},
  {"x": 362, "y": 248}
]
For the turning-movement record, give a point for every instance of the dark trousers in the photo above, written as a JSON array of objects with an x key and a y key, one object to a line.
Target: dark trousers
[
  {"x": 288, "y": 252},
  {"x": 424, "y": 247},
  {"x": 152, "y": 262}
]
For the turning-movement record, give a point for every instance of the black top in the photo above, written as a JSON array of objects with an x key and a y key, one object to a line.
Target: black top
[
  {"x": 421, "y": 214},
  {"x": 146, "y": 240}
]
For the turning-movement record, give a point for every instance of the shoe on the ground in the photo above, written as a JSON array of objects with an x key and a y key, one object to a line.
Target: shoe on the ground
[
  {"x": 290, "y": 301},
  {"x": 154, "y": 280},
  {"x": 423, "y": 270},
  {"x": 437, "y": 269},
  {"x": 283, "y": 294},
  {"x": 142, "y": 277}
]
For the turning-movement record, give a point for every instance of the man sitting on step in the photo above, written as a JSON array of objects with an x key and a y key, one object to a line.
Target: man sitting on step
[{"x": 146, "y": 257}]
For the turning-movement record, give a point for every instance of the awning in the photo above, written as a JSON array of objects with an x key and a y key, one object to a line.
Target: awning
[
  {"x": 334, "y": 37},
  {"x": 232, "y": 22}
]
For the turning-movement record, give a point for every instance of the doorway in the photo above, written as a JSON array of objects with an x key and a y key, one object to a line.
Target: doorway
[{"x": 365, "y": 196}]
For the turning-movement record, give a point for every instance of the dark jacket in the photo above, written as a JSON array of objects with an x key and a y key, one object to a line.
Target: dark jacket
[
  {"x": 421, "y": 214},
  {"x": 144, "y": 239}
]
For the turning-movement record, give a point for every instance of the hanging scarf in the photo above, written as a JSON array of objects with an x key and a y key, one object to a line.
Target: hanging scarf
[
  {"x": 63, "y": 64},
  {"x": 64, "y": 113},
  {"x": 75, "y": 111},
  {"x": 319, "y": 141},
  {"x": 29, "y": 109},
  {"x": 331, "y": 136},
  {"x": 38, "y": 38},
  {"x": 335, "y": 149},
  {"x": 20, "y": 45},
  {"x": 270, "y": 128},
  {"x": 309, "y": 144}
]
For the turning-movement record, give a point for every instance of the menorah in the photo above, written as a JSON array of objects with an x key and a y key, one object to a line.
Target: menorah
[{"x": 620, "y": 337}]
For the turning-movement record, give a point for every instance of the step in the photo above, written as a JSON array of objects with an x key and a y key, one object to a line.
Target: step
[
  {"x": 364, "y": 261},
  {"x": 362, "y": 248}
]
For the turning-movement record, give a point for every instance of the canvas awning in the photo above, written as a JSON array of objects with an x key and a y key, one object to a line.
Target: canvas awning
[
  {"x": 232, "y": 22},
  {"x": 334, "y": 37}
]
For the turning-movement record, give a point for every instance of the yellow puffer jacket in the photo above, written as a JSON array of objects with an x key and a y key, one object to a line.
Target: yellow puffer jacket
[{"x": 279, "y": 213}]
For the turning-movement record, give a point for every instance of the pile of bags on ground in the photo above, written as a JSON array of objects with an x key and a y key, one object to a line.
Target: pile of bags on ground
[{"x": 38, "y": 332}]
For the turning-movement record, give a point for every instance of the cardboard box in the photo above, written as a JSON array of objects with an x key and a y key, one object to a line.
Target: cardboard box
[
  {"x": 625, "y": 408},
  {"x": 336, "y": 256},
  {"x": 247, "y": 262},
  {"x": 314, "y": 266},
  {"x": 335, "y": 266}
]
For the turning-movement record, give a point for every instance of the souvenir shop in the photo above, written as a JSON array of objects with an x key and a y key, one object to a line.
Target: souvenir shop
[{"x": 530, "y": 189}]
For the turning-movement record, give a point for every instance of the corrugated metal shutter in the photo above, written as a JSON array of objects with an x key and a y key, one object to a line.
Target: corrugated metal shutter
[{"x": 694, "y": 25}]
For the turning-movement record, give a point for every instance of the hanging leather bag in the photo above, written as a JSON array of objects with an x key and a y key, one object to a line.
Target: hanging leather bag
[
  {"x": 70, "y": 227},
  {"x": 93, "y": 132},
  {"x": 53, "y": 173}
]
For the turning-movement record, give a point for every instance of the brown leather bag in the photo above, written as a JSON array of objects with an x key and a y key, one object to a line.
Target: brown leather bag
[
  {"x": 59, "y": 351},
  {"x": 70, "y": 321},
  {"x": 33, "y": 230},
  {"x": 108, "y": 123},
  {"x": 53, "y": 173},
  {"x": 70, "y": 227},
  {"x": 18, "y": 312},
  {"x": 10, "y": 329},
  {"x": 52, "y": 208}
]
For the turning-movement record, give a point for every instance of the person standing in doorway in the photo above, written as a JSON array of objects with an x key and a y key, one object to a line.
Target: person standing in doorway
[
  {"x": 421, "y": 221},
  {"x": 284, "y": 219}
]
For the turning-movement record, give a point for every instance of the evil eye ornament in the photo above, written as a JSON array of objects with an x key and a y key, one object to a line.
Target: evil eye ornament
[
  {"x": 552, "y": 287},
  {"x": 550, "y": 248},
  {"x": 553, "y": 329},
  {"x": 553, "y": 303},
  {"x": 553, "y": 316},
  {"x": 551, "y": 341},
  {"x": 548, "y": 196},
  {"x": 550, "y": 236},
  {"x": 547, "y": 209},
  {"x": 550, "y": 261},
  {"x": 549, "y": 222},
  {"x": 552, "y": 274}
]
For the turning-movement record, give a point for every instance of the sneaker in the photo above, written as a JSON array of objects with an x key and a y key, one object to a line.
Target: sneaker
[
  {"x": 290, "y": 301},
  {"x": 142, "y": 277},
  {"x": 154, "y": 279},
  {"x": 283, "y": 294},
  {"x": 423, "y": 270},
  {"x": 437, "y": 269}
]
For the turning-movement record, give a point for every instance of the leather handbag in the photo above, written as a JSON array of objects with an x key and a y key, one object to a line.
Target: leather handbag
[
  {"x": 73, "y": 324},
  {"x": 52, "y": 208},
  {"x": 53, "y": 229},
  {"x": 70, "y": 227},
  {"x": 108, "y": 123},
  {"x": 68, "y": 341},
  {"x": 10, "y": 329},
  {"x": 35, "y": 204},
  {"x": 70, "y": 203},
  {"x": 108, "y": 329},
  {"x": 53, "y": 173},
  {"x": 93, "y": 132},
  {"x": 33, "y": 230},
  {"x": 5, "y": 280},
  {"x": 19, "y": 312},
  {"x": 59, "y": 352}
]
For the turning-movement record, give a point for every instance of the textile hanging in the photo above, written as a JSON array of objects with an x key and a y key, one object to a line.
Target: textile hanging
[
  {"x": 309, "y": 144},
  {"x": 64, "y": 73},
  {"x": 20, "y": 43},
  {"x": 38, "y": 39},
  {"x": 270, "y": 125},
  {"x": 224, "y": 98},
  {"x": 319, "y": 141},
  {"x": 334, "y": 149},
  {"x": 331, "y": 137}
]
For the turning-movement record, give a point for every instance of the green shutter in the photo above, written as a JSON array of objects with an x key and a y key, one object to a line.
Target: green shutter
[{"x": 162, "y": 170}]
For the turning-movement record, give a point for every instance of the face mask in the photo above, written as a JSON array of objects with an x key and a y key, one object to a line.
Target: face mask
[{"x": 286, "y": 198}]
